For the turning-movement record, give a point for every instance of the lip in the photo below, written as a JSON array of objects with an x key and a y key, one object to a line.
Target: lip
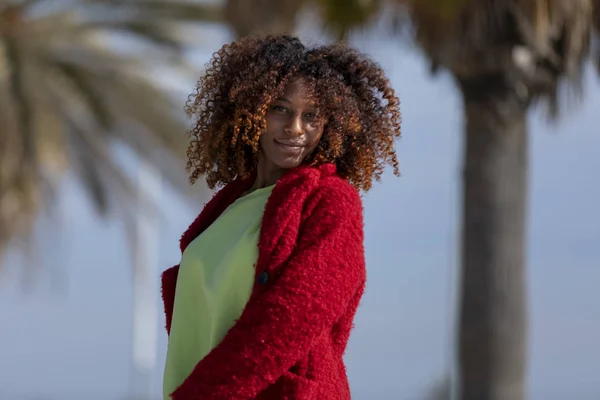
[{"x": 290, "y": 145}]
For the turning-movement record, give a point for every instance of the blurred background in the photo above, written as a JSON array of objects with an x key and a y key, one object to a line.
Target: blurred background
[{"x": 483, "y": 258}]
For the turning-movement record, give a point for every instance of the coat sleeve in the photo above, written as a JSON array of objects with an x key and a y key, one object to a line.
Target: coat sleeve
[
  {"x": 276, "y": 330},
  {"x": 167, "y": 288}
]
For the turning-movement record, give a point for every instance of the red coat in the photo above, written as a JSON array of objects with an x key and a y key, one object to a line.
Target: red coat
[{"x": 310, "y": 276}]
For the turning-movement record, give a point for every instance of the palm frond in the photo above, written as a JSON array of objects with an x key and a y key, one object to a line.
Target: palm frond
[
  {"x": 262, "y": 16},
  {"x": 81, "y": 87},
  {"x": 21, "y": 101},
  {"x": 538, "y": 44},
  {"x": 179, "y": 10},
  {"x": 342, "y": 16},
  {"x": 133, "y": 109},
  {"x": 67, "y": 99},
  {"x": 90, "y": 152},
  {"x": 160, "y": 34},
  {"x": 596, "y": 16},
  {"x": 89, "y": 172}
]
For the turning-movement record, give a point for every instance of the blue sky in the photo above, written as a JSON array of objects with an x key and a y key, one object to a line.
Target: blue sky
[{"x": 69, "y": 338}]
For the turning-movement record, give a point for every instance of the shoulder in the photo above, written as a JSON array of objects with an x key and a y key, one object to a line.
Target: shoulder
[
  {"x": 333, "y": 214},
  {"x": 336, "y": 187},
  {"x": 307, "y": 185},
  {"x": 335, "y": 197},
  {"x": 327, "y": 182}
]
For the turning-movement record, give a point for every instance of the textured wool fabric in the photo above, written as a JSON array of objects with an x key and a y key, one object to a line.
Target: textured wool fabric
[{"x": 310, "y": 275}]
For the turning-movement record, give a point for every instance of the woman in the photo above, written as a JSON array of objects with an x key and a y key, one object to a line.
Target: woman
[{"x": 272, "y": 270}]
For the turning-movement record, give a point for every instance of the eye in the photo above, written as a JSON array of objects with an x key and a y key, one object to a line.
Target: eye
[
  {"x": 310, "y": 116},
  {"x": 278, "y": 109}
]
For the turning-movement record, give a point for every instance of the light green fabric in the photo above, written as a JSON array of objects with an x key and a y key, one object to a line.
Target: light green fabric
[{"x": 214, "y": 283}]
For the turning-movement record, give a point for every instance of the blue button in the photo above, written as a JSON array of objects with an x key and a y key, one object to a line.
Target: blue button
[{"x": 262, "y": 278}]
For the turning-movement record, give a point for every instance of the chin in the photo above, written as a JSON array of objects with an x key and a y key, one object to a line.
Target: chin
[
  {"x": 287, "y": 164},
  {"x": 285, "y": 161}
]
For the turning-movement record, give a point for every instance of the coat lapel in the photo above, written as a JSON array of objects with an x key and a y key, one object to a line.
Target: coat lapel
[{"x": 282, "y": 217}]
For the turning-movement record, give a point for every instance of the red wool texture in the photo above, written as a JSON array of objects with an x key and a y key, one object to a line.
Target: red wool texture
[{"x": 289, "y": 341}]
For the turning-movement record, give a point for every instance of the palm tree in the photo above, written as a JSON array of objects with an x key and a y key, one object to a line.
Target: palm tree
[
  {"x": 67, "y": 97},
  {"x": 505, "y": 56},
  {"x": 280, "y": 16},
  {"x": 262, "y": 16}
]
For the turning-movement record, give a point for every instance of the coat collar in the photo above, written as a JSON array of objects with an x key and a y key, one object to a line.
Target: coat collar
[{"x": 290, "y": 192}]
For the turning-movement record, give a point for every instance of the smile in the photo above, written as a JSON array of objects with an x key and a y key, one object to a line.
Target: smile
[{"x": 290, "y": 145}]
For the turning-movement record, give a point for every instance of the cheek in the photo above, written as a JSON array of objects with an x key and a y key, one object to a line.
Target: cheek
[
  {"x": 314, "y": 142},
  {"x": 315, "y": 137},
  {"x": 269, "y": 131},
  {"x": 274, "y": 122}
]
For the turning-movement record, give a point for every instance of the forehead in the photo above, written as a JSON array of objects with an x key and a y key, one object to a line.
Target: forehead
[{"x": 299, "y": 90}]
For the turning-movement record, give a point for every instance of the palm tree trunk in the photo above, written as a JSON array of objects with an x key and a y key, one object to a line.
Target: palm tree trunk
[
  {"x": 145, "y": 285},
  {"x": 493, "y": 312}
]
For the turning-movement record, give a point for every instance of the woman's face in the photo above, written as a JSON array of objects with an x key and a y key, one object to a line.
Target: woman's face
[{"x": 294, "y": 127}]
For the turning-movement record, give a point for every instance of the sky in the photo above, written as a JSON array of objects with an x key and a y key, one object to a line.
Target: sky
[{"x": 69, "y": 336}]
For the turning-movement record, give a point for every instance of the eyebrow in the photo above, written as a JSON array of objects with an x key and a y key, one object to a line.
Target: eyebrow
[{"x": 312, "y": 104}]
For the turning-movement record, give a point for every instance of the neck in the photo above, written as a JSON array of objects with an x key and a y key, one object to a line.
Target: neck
[{"x": 266, "y": 175}]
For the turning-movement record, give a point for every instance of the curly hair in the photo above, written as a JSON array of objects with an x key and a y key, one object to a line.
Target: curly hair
[{"x": 359, "y": 107}]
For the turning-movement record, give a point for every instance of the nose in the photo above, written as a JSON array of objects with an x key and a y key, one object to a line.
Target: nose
[{"x": 294, "y": 125}]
